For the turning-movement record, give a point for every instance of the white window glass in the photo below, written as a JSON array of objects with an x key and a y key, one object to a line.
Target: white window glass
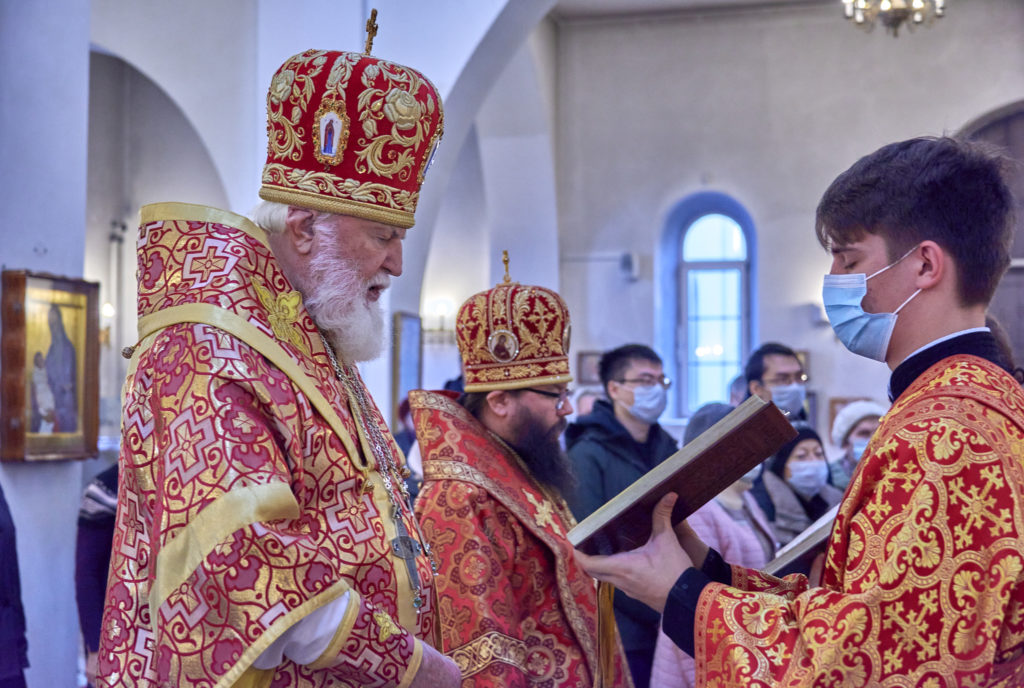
[
  {"x": 715, "y": 283},
  {"x": 714, "y": 237}
]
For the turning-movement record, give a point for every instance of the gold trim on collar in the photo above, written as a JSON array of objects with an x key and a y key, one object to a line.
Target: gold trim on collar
[
  {"x": 255, "y": 678},
  {"x": 220, "y": 318},
  {"x": 191, "y": 212}
]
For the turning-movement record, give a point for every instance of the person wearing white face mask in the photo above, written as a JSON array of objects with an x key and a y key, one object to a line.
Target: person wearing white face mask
[
  {"x": 923, "y": 580},
  {"x": 610, "y": 448},
  {"x": 774, "y": 373},
  {"x": 796, "y": 479},
  {"x": 851, "y": 430}
]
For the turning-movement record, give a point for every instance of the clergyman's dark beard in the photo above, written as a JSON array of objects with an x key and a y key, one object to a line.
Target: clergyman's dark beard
[{"x": 540, "y": 450}]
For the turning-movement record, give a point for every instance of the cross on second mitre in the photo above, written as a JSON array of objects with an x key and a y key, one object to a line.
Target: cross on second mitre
[
  {"x": 407, "y": 549},
  {"x": 371, "y": 31}
]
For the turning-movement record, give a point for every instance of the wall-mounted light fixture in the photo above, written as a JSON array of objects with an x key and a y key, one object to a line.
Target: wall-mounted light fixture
[{"x": 439, "y": 321}]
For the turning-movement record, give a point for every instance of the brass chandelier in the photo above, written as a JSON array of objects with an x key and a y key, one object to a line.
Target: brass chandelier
[{"x": 892, "y": 14}]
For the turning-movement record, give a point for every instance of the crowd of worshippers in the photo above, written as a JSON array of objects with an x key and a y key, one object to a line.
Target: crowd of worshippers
[{"x": 263, "y": 531}]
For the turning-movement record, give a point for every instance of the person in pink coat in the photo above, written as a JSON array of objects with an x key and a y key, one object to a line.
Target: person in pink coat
[{"x": 733, "y": 524}]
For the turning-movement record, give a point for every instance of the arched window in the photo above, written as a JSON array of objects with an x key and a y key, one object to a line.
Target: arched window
[{"x": 707, "y": 261}]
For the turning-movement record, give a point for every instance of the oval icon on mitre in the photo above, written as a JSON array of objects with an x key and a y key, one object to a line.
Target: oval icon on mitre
[
  {"x": 331, "y": 134},
  {"x": 503, "y": 345}
]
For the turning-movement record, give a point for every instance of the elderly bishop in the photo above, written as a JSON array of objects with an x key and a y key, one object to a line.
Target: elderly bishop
[{"x": 263, "y": 534}]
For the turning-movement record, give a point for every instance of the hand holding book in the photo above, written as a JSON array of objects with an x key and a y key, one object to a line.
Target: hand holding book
[{"x": 648, "y": 572}]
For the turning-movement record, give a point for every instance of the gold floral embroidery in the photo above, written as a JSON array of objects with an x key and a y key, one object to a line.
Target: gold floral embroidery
[
  {"x": 283, "y": 312},
  {"x": 948, "y": 440},
  {"x": 397, "y": 105},
  {"x": 288, "y": 88},
  {"x": 979, "y": 506},
  {"x": 911, "y": 627},
  {"x": 327, "y": 183},
  {"x": 386, "y": 625},
  {"x": 487, "y": 649}
]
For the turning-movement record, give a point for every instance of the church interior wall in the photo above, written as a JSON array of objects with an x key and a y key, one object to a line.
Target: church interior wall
[
  {"x": 202, "y": 55},
  {"x": 503, "y": 200},
  {"x": 766, "y": 107},
  {"x": 456, "y": 266},
  {"x": 43, "y": 101}
]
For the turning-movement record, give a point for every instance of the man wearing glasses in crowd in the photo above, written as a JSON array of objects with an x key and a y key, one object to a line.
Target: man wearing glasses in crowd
[
  {"x": 775, "y": 374},
  {"x": 610, "y": 448},
  {"x": 517, "y": 610}
]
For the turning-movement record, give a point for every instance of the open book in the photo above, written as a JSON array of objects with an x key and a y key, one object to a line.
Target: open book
[
  {"x": 807, "y": 544},
  {"x": 718, "y": 457}
]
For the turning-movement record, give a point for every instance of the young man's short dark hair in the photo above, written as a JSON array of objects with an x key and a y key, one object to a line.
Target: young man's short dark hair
[
  {"x": 613, "y": 364},
  {"x": 950, "y": 191},
  {"x": 754, "y": 370}
]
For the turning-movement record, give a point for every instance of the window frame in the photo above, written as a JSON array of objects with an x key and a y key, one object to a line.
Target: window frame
[{"x": 671, "y": 324}]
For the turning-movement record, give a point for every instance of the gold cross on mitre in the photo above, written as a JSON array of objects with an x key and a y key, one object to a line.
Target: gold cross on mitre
[
  {"x": 371, "y": 31},
  {"x": 504, "y": 259}
]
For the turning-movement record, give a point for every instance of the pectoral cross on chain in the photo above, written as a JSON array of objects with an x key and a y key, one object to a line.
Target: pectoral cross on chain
[{"x": 407, "y": 549}]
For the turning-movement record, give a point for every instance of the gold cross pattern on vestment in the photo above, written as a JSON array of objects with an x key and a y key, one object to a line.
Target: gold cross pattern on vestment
[{"x": 545, "y": 515}]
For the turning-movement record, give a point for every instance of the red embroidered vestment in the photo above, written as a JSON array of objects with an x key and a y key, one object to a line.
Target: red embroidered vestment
[
  {"x": 249, "y": 496},
  {"x": 924, "y": 575},
  {"x": 515, "y": 609}
]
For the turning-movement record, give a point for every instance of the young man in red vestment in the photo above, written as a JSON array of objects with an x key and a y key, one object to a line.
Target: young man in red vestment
[
  {"x": 516, "y": 609},
  {"x": 924, "y": 573},
  {"x": 263, "y": 529}
]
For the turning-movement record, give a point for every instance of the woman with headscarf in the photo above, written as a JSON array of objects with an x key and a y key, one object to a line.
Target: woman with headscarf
[{"x": 797, "y": 482}]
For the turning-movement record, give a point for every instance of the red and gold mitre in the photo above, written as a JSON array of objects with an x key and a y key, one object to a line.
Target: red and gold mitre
[
  {"x": 513, "y": 336},
  {"x": 351, "y": 134}
]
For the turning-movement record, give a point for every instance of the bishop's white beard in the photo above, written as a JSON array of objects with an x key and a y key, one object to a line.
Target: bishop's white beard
[{"x": 337, "y": 301}]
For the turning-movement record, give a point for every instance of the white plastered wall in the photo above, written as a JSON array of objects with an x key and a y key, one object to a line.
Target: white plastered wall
[
  {"x": 501, "y": 197},
  {"x": 767, "y": 107}
]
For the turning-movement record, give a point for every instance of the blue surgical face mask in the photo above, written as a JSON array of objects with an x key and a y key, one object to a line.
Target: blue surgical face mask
[
  {"x": 649, "y": 402},
  {"x": 807, "y": 477},
  {"x": 857, "y": 448},
  {"x": 789, "y": 398},
  {"x": 865, "y": 334}
]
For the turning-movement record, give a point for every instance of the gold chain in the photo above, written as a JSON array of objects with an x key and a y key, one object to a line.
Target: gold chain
[{"x": 386, "y": 467}]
